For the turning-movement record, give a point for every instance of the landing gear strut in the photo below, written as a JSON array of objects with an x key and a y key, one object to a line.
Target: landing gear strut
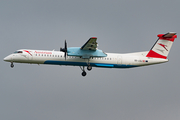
[
  {"x": 12, "y": 65},
  {"x": 89, "y": 67},
  {"x": 84, "y": 72}
]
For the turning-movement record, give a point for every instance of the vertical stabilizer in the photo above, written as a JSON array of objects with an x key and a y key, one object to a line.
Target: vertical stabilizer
[{"x": 162, "y": 46}]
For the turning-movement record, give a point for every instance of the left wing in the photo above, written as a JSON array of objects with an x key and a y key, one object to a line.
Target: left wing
[{"x": 91, "y": 44}]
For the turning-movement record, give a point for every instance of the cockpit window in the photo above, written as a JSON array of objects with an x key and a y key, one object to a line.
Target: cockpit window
[{"x": 18, "y": 52}]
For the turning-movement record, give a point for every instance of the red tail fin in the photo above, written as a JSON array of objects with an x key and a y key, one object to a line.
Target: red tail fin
[{"x": 162, "y": 46}]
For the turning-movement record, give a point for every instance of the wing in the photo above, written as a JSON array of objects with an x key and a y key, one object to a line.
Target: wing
[
  {"x": 89, "y": 49},
  {"x": 91, "y": 44}
]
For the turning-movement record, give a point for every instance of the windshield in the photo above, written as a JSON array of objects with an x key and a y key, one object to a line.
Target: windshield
[{"x": 18, "y": 52}]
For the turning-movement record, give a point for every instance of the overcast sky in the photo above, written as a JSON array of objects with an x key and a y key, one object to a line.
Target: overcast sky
[{"x": 46, "y": 92}]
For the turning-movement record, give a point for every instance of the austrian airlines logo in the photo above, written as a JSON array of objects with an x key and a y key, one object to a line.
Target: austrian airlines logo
[
  {"x": 28, "y": 52},
  {"x": 164, "y": 46}
]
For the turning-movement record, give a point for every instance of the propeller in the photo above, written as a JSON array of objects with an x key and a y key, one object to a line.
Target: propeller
[{"x": 64, "y": 49}]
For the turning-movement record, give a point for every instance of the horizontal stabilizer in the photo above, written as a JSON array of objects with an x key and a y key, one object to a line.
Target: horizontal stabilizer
[{"x": 169, "y": 35}]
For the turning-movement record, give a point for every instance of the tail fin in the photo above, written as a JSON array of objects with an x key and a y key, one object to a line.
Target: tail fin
[{"x": 162, "y": 46}]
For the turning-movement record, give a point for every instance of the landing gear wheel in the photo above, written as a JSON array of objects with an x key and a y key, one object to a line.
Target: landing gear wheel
[
  {"x": 83, "y": 73},
  {"x": 89, "y": 68},
  {"x": 12, "y": 65}
]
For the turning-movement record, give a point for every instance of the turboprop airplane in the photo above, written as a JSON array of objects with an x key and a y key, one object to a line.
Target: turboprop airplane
[{"x": 88, "y": 55}]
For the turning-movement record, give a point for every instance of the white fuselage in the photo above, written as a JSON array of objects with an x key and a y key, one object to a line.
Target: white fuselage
[
  {"x": 112, "y": 60},
  {"x": 89, "y": 55}
]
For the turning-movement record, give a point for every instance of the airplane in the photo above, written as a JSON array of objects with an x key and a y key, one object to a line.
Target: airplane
[{"x": 90, "y": 56}]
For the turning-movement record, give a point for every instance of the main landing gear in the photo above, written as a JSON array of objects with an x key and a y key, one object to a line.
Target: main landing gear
[
  {"x": 89, "y": 67},
  {"x": 12, "y": 65},
  {"x": 84, "y": 72}
]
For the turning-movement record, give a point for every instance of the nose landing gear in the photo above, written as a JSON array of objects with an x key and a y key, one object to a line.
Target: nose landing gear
[{"x": 12, "y": 65}]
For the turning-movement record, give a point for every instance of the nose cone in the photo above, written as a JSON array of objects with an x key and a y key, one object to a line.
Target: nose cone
[{"x": 8, "y": 59}]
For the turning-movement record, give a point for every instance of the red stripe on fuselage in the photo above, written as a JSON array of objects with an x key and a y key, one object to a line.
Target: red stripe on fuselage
[{"x": 28, "y": 52}]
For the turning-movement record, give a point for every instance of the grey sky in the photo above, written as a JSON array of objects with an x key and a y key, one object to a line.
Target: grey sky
[{"x": 32, "y": 92}]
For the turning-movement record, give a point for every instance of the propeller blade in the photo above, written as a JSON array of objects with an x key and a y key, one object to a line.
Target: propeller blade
[
  {"x": 65, "y": 46},
  {"x": 65, "y": 54},
  {"x": 64, "y": 49}
]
